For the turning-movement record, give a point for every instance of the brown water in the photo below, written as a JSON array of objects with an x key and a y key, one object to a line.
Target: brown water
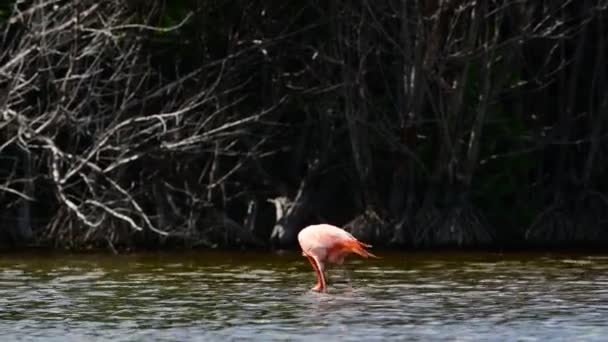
[{"x": 263, "y": 296}]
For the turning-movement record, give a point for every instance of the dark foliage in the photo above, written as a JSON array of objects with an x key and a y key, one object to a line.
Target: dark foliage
[{"x": 213, "y": 123}]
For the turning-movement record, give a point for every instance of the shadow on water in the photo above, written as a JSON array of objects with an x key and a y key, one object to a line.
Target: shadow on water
[{"x": 214, "y": 295}]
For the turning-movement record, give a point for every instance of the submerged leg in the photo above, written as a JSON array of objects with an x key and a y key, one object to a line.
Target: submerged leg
[{"x": 320, "y": 286}]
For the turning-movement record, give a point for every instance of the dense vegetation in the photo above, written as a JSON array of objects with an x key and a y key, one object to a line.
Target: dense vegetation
[{"x": 216, "y": 123}]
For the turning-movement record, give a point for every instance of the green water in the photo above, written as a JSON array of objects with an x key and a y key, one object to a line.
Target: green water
[{"x": 263, "y": 296}]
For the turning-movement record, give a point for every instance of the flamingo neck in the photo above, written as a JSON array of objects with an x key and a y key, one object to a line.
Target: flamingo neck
[{"x": 321, "y": 285}]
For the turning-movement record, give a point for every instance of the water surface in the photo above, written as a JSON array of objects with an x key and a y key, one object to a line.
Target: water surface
[{"x": 262, "y": 296}]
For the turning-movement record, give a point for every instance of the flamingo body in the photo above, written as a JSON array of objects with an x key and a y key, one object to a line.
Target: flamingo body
[{"x": 325, "y": 244}]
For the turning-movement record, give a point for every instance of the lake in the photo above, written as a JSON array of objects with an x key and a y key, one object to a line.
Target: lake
[{"x": 210, "y": 296}]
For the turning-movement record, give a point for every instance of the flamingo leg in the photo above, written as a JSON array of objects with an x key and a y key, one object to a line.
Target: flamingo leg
[{"x": 320, "y": 286}]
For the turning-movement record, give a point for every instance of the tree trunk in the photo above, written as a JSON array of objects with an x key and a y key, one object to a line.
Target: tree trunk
[
  {"x": 24, "y": 223},
  {"x": 291, "y": 216}
]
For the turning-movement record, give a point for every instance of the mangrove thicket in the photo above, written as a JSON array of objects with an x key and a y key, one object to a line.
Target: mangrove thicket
[{"x": 237, "y": 123}]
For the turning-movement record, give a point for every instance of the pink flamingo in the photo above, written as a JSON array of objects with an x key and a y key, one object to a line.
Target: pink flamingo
[{"x": 326, "y": 244}]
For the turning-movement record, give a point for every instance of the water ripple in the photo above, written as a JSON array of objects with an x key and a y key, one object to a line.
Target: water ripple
[{"x": 217, "y": 296}]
